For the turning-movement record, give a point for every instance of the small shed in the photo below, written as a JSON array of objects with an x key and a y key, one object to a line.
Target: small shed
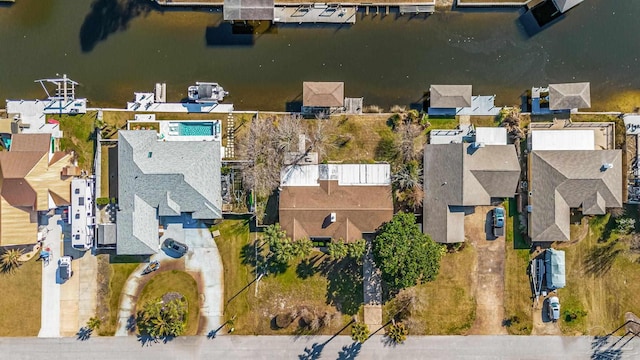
[
  {"x": 107, "y": 234},
  {"x": 554, "y": 263}
]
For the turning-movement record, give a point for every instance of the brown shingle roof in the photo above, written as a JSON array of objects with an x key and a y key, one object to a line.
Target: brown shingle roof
[
  {"x": 305, "y": 210},
  {"x": 323, "y": 94},
  {"x": 569, "y": 96},
  {"x": 31, "y": 142},
  {"x": 17, "y": 164},
  {"x": 18, "y": 192}
]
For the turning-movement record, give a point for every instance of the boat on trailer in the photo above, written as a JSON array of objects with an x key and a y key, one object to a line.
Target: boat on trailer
[{"x": 206, "y": 92}]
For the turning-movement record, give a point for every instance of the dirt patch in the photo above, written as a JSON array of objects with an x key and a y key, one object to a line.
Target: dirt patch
[{"x": 489, "y": 280}]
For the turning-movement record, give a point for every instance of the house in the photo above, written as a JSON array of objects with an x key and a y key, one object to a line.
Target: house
[
  {"x": 567, "y": 97},
  {"x": 460, "y": 176},
  {"x": 334, "y": 201},
  {"x": 322, "y": 96},
  {"x": 449, "y": 100},
  {"x": 160, "y": 181},
  {"x": 566, "y": 172},
  {"x": 31, "y": 180}
]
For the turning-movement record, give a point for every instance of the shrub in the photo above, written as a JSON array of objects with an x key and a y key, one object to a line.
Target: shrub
[
  {"x": 283, "y": 320},
  {"x": 102, "y": 201},
  {"x": 398, "y": 333}
]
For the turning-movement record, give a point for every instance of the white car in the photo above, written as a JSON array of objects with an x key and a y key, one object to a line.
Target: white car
[
  {"x": 554, "y": 308},
  {"x": 64, "y": 265}
]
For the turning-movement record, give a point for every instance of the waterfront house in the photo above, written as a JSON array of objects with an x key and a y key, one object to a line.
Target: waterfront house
[
  {"x": 460, "y": 176},
  {"x": 162, "y": 182},
  {"x": 334, "y": 201},
  {"x": 33, "y": 178},
  {"x": 570, "y": 169}
]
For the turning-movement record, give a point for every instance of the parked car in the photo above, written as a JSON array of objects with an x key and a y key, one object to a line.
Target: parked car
[
  {"x": 554, "y": 308},
  {"x": 64, "y": 265},
  {"x": 498, "y": 221},
  {"x": 176, "y": 246}
]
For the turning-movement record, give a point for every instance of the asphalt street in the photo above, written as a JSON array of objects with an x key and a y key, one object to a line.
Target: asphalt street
[{"x": 324, "y": 347}]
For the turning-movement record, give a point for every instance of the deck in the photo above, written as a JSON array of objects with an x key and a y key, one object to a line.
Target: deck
[{"x": 316, "y": 13}]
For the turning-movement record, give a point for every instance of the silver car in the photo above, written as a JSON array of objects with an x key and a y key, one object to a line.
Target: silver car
[{"x": 554, "y": 308}]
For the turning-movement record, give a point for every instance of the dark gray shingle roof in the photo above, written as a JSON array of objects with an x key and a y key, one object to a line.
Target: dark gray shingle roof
[
  {"x": 569, "y": 96},
  {"x": 565, "y": 179},
  {"x": 163, "y": 178},
  {"x": 461, "y": 175},
  {"x": 450, "y": 96}
]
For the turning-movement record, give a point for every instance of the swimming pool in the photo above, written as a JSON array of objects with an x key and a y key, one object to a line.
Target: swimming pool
[{"x": 196, "y": 129}]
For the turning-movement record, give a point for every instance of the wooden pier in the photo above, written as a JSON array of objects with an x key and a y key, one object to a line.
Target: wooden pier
[{"x": 316, "y": 13}]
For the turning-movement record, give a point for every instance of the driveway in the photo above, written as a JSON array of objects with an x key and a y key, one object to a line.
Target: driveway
[
  {"x": 50, "y": 313},
  {"x": 489, "y": 292},
  {"x": 202, "y": 261}
]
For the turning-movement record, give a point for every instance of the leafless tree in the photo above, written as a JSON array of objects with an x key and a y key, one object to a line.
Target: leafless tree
[
  {"x": 262, "y": 172},
  {"x": 510, "y": 118},
  {"x": 406, "y": 144},
  {"x": 287, "y": 133}
]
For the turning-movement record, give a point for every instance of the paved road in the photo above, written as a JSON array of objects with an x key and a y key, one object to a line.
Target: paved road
[{"x": 284, "y": 347}]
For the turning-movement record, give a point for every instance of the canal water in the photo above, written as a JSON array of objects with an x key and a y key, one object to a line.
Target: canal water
[{"x": 114, "y": 50}]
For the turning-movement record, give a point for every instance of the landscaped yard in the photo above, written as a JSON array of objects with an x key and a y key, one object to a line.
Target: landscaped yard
[
  {"x": 312, "y": 287},
  {"x": 21, "y": 300},
  {"x": 78, "y": 136},
  {"x": 111, "y": 280},
  {"x": 603, "y": 280},
  {"x": 517, "y": 291},
  {"x": 445, "y": 306},
  {"x": 174, "y": 281}
]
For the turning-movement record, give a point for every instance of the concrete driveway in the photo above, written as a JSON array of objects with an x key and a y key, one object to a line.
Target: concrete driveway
[
  {"x": 202, "y": 261},
  {"x": 50, "y": 318}
]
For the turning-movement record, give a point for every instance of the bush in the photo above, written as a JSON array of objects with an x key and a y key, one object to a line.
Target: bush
[
  {"x": 283, "y": 320},
  {"x": 573, "y": 314},
  {"x": 625, "y": 225},
  {"x": 398, "y": 333},
  {"x": 102, "y": 201}
]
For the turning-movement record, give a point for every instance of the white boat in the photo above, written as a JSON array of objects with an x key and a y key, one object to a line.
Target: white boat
[{"x": 206, "y": 92}]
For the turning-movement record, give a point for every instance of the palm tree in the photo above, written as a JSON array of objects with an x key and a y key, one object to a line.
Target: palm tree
[
  {"x": 10, "y": 260},
  {"x": 94, "y": 323},
  {"x": 359, "y": 332},
  {"x": 398, "y": 332}
]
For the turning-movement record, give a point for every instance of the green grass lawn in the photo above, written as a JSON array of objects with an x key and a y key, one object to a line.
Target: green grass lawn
[
  {"x": 442, "y": 123},
  {"x": 118, "y": 275},
  {"x": 603, "y": 280},
  {"x": 78, "y": 136},
  {"x": 311, "y": 285},
  {"x": 517, "y": 291},
  {"x": 104, "y": 169},
  {"x": 174, "y": 281},
  {"x": 445, "y": 306},
  {"x": 21, "y": 303}
]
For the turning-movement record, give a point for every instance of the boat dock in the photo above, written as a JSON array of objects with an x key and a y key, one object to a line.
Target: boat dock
[{"x": 316, "y": 13}]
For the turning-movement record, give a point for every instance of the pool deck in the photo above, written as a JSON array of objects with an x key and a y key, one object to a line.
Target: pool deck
[
  {"x": 169, "y": 131},
  {"x": 151, "y": 106}
]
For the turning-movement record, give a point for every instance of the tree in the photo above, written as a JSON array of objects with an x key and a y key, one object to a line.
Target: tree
[
  {"x": 398, "y": 333},
  {"x": 337, "y": 249},
  {"x": 159, "y": 319},
  {"x": 281, "y": 248},
  {"x": 407, "y": 184},
  {"x": 356, "y": 249},
  {"x": 302, "y": 248},
  {"x": 359, "y": 332},
  {"x": 625, "y": 225},
  {"x": 94, "y": 323},
  {"x": 510, "y": 118},
  {"x": 10, "y": 260},
  {"x": 404, "y": 255}
]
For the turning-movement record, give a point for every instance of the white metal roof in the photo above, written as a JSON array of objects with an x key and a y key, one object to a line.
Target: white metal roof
[
  {"x": 345, "y": 174},
  {"x": 491, "y": 135},
  {"x": 632, "y": 123},
  {"x": 562, "y": 140}
]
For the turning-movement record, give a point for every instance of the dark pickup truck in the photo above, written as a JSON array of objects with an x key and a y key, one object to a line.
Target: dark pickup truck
[{"x": 498, "y": 222}]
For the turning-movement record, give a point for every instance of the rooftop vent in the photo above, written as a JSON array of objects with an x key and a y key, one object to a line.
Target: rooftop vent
[
  {"x": 606, "y": 166},
  {"x": 333, "y": 217},
  {"x": 478, "y": 145}
]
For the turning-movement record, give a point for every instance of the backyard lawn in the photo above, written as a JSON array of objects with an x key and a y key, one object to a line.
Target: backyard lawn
[
  {"x": 174, "y": 281},
  {"x": 21, "y": 303},
  {"x": 603, "y": 280},
  {"x": 78, "y": 136},
  {"x": 312, "y": 287}
]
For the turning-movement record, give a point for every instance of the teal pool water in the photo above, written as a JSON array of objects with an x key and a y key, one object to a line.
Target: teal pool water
[{"x": 195, "y": 129}]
